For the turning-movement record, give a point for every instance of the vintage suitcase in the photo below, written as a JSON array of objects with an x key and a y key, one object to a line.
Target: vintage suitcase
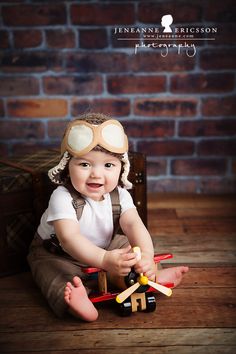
[{"x": 24, "y": 194}]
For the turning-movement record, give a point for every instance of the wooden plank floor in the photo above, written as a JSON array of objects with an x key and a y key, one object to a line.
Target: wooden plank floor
[{"x": 200, "y": 317}]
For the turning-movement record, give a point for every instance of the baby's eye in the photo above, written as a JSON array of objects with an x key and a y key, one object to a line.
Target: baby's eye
[
  {"x": 109, "y": 165},
  {"x": 84, "y": 164}
]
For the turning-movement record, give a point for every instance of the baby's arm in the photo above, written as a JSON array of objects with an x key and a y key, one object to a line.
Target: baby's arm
[
  {"x": 83, "y": 250},
  {"x": 138, "y": 235}
]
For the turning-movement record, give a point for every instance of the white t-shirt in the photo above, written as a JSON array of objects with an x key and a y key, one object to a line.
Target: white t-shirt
[{"x": 96, "y": 222}]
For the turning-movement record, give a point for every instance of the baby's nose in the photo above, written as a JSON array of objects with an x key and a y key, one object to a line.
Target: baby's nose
[{"x": 95, "y": 173}]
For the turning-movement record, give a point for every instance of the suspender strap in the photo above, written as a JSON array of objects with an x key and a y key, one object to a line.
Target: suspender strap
[
  {"x": 77, "y": 201},
  {"x": 53, "y": 245},
  {"x": 78, "y": 204},
  {"x": 116, "y": 210}
]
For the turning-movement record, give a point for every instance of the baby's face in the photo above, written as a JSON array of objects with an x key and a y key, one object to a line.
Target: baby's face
[{"x": 95, "y": 174}]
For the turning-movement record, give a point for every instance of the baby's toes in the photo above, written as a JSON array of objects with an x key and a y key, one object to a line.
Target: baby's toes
[
  {"x": 69, "y": 285},
  {"x": 67, "y": 291}
]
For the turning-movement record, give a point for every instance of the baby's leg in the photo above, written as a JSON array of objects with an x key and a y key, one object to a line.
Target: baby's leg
[
  {"x": 172, "y": 275},
  {"x": 76, "y": 297}
]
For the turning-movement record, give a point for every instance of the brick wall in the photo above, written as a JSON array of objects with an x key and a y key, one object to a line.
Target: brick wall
[{"x": 62, "y": 58}]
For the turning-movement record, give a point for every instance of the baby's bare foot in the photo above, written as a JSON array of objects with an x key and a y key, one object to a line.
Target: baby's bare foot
[
  {"x": 76, "y": 297},
  {"x": 172, "y": 275}
]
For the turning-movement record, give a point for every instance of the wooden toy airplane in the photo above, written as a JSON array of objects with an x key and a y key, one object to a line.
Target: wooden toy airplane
[{"x": 139, "y": 293}]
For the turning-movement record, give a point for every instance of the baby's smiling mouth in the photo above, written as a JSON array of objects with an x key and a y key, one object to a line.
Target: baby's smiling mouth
[{"x": 94, "y": 185}]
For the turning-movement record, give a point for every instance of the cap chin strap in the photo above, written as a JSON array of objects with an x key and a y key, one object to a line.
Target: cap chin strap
[
  {"x": 54, "y": 173},
  {"x": 124, "y": 178}
]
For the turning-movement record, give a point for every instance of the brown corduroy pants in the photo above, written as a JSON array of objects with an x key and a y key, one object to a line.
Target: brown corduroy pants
[{"x": 51, "y": 272}]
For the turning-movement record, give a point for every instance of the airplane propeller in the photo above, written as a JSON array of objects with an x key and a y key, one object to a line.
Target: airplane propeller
[{"x": 142, "y": 280}]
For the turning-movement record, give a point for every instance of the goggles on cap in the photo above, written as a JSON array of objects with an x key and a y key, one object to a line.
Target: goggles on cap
[{"x": 81, "y": 137}]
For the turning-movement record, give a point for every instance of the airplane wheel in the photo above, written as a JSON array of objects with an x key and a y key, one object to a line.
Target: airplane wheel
[
  {"x": 150, "y": 302},
  {"x": 125, "y": 308}
]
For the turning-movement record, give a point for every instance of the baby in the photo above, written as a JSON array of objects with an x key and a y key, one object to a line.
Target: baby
[{"x": 94, "y": 163}]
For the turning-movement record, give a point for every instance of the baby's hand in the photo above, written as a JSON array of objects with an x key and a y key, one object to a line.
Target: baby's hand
[
  {"x": 119, "y": 261},
  {"x": 146, "y": 265}
]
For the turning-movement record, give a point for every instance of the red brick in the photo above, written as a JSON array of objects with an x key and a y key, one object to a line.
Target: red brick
[
  {"x": 156, "y": 168},
  {"x": 222, "y": 11},
  {"x": 115, "y": 107},
  {"x": 1, "y": 109},
  {"x": 60, "y": 38},
  {"x": 147, "y": 129},
  {"x": 93, "y": 38},
  {"x": 173, "y": 185},
  {"x": 222, "y": 127},
  {"x": 166, "y": 148},
  {"x": 119, "y": 40},
  {"x": 56, "y": 129},
  {"x": 218, "y": 59},
  {"x": 166, "y": 107},
  {"x": 97, "y": 62},
  {"x": 35, "y": 61},
  {"x": 136, "y": 84},
  {"x": 102, "y": 14},
  {"x": 18, "y": 86},
  {"x": 223, "y": 185},
  {"x": 154, "y": 62},
  {"x": 73, "y": 85},
  {"x": 222, "y": 106},
  {"x": 27, "y": 38},
  {"x": 217, "y": 147},
  {"x": 10, "y": 129},
  {"x": 199, "y": 167},
  {"x": 36, "y": 108},
  {"x": 4, "y": 40},
  {"x": 34, "y": 15},
  {"x": 226, "y": 34},
  {"x": 194, "y": 83},
  {"x": 151, "y": 12}
]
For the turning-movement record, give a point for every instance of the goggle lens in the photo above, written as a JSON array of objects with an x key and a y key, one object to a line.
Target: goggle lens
[{"x": 113, "y": 135}]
